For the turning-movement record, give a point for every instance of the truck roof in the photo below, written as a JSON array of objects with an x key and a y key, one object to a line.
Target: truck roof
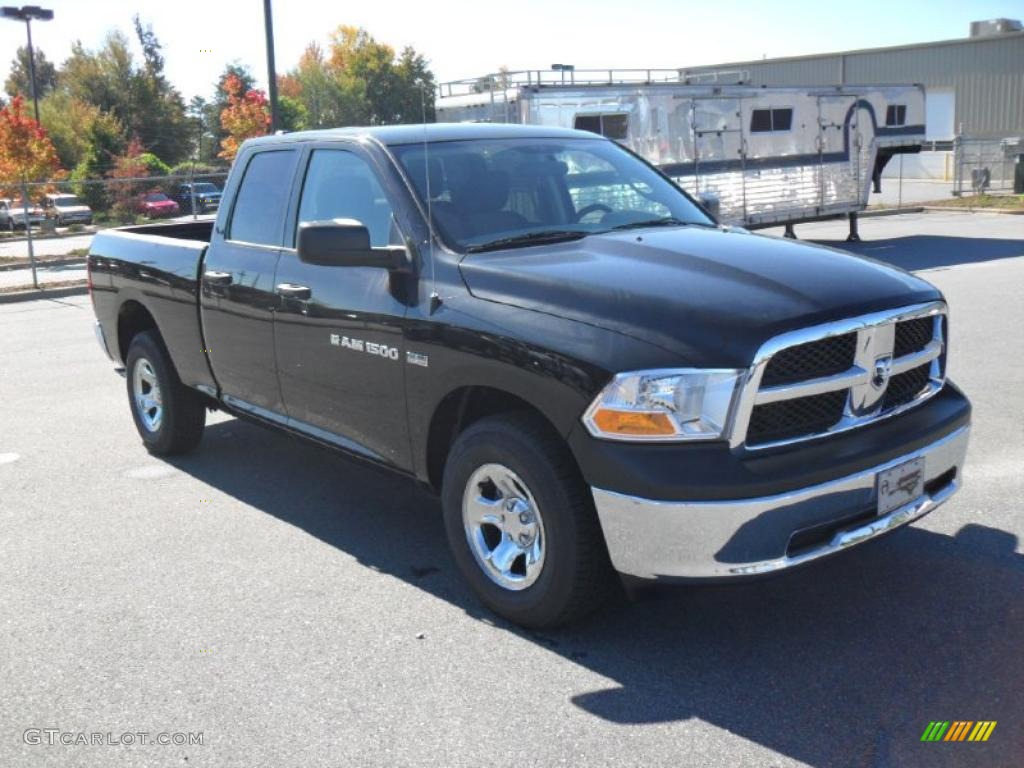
[{"x": 391, "y": 135}]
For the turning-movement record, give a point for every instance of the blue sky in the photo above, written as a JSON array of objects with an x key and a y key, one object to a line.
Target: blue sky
[{"x": 465, "y": 39}]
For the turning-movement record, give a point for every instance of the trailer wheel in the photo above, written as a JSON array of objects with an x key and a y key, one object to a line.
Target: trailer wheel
[
  {"x": 169, "y": 416},
  {"x": 521, "y": 523}
]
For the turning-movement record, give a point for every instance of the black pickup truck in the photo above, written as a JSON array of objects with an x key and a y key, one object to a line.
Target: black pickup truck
[{"x": 592, "y": 373}]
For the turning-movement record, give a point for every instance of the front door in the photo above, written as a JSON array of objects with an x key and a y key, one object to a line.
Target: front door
[
  {"x": 237, "y": 284},
  {"x": 338, "y": 332}
]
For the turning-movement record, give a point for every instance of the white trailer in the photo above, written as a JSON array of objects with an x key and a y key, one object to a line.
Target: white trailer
[{"x": 762, "y": 156}]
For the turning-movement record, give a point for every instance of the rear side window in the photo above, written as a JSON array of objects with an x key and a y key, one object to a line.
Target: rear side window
[
  {"x": 262, "y": 199},
  {"x": 771, "y": 120}
]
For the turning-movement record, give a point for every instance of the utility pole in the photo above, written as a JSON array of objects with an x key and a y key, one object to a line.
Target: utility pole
[
  {"x": 26, "y": 13},
  {"x": 268, "y": 22}
]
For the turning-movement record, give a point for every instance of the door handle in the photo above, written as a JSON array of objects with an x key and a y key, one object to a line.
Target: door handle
[
  {"x": 293, "y": 291},
  {"x": 218, "y": 278}
]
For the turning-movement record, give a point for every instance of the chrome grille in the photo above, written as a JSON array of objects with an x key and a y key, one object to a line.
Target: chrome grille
[
  {"x": 842, "y": 375},
  {"x": 825, "y": 357}
]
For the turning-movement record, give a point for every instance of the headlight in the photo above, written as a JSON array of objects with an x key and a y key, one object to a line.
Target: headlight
[{"x": 667, "y": 405}]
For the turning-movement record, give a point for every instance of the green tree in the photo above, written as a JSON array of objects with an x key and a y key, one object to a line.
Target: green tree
[
  {"x": 18, "y": 81},
  {"x": 69, "y": 122},
  {"x": 105, "y": 142},
  {"x": 140, "y": 97}
]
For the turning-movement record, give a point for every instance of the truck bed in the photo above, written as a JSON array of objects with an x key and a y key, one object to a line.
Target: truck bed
[{"x": 157, "y": 266}]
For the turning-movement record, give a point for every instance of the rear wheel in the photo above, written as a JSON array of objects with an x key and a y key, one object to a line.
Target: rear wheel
[
  {"x": 169, "y": 416},
  {"x": 521, "y": 523}
]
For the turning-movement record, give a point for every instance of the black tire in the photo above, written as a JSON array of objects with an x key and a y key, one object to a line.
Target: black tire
[
  {"x": 182, "y": 415},
  {"x": 576, "y": 575}
]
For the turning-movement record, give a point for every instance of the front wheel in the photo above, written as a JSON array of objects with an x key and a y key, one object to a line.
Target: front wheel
[
  {"x": 169, "y": 416},
  {"x": 521, "y": 523}
]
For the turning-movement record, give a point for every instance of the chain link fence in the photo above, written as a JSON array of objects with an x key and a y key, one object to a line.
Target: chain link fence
[
  {"x": 60, "y": 205},
  {"x": 986, "y": 165}
]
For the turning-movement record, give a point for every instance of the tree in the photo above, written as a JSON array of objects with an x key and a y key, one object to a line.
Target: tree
[
  {"x": 26, "y": 152},
  {"x": 69, "y": 123},
  {"x": 19, "y": 79},
  {"x": 105, "y": 142},
  {"x": 128, "y": 168},
  {"x": 245, "y": 116},
  {"x": 361, "y": 81},
  {"x": 213, "y": 133},
  {"x": 140, "y": 97}
]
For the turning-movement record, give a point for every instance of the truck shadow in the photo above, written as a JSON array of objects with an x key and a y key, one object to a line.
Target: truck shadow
[
  {"x": 932, "y": 251},
  {"x": 844, "y": 663}
]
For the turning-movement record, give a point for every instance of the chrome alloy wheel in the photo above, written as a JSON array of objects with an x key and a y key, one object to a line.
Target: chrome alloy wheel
[
  {"x": 503, "y": 526},
  {"x": 148, "y": 400}
]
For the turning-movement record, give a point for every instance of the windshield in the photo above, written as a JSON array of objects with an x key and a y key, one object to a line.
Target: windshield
[
  {"x": 206, "y": 187},
  {"x": 66, "y": 200},
  {"x": 496, "y": 192},
  {"x": 156, "y": 197}
]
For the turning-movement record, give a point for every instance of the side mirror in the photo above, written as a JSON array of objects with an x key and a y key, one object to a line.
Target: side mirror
[
  {"x": 710, "y": 202},
  {"x": 344, "y": 243}
]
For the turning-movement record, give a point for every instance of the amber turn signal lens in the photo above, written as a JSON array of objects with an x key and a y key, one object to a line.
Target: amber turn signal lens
[{"x": 633, "y": 423}]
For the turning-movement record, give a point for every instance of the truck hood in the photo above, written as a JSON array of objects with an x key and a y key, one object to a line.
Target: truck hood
[
  {"x": 72, "y": 209},
  {"x": 708, "y": 296}
]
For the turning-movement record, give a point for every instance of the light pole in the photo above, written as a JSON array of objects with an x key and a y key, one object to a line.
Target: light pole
[
  {"x": 26, "y": 13},
  {"x": 268, "y": 22}
]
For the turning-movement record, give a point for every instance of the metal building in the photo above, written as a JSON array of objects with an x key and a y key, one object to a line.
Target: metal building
[{"x": 974, "y": 86}]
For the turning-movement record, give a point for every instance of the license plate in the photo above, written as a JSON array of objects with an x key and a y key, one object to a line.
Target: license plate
[{"x": 900, "y": 485}]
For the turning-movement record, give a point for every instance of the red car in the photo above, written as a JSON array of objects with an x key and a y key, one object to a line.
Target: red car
[{"x": 157, "y": 205}]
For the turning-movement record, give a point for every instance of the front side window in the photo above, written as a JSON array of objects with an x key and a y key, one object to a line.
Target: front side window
[
  {"x": 341, "y": 185},
  {"x": 262, "y": 199},
  {"x": 486, "y": 190}
]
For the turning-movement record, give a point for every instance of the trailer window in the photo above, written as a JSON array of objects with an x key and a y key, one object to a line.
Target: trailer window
[
  {"x": 771, "y": 120},
  {"x": 896, "y": 114},
  {"x": 612, "y": 126}
]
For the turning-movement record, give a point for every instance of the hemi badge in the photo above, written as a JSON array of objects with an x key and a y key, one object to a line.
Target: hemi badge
[{"x": 415, "y": 358}]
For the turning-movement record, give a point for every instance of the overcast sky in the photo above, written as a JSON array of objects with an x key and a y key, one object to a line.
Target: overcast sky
[{"x": 463, "y": 39}]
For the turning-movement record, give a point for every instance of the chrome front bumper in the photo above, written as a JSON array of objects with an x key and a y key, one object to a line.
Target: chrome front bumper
[{"x": 708, "y": 539}]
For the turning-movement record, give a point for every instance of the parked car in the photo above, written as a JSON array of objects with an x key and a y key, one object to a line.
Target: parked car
[
  {"x": 66, "y": 209},
  {"x": 207, "y": 196},
  {"x": 156, "y": 205},
  {"x": 12, "y": 214},
  {"x": 535, "y": 323}
]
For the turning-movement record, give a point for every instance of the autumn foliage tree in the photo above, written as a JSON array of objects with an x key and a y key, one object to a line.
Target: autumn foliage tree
[
  {"x": 246, "y": 115},
  {"x": 26, "y": 152},
  {"x": 128, "y": 171}
]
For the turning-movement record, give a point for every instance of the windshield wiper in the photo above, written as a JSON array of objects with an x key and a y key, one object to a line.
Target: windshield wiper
[
  {"x": 529, "y": 238},
  {"x": 667, "y": 221}
]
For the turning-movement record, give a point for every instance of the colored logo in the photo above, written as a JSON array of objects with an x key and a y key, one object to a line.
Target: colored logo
[{"x": 958, "y": 730}]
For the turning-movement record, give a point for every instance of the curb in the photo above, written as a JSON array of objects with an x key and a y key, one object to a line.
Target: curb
[
  {"x": 34, "y": 294},
  {"x": 42, "y": 263},
  {"x": 870, "y": 213},
  {"x": 980, "y": 209}
]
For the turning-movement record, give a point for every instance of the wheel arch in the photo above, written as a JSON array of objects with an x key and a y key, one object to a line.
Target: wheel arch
[
  {"x": 464, "y": 406},
  {"x": 132, "y": 319}
]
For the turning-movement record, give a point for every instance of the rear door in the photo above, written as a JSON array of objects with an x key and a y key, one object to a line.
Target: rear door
[
  {"x": 339, "y": 330},
  {"x": 237, "y": 284}
]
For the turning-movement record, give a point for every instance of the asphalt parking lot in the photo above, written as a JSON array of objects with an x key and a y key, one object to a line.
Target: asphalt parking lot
[{"x": 299, "y": 609}]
